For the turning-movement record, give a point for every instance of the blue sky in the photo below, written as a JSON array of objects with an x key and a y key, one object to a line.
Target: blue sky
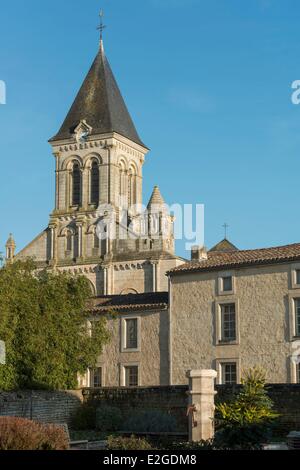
[{"x": 208, "y": 84}]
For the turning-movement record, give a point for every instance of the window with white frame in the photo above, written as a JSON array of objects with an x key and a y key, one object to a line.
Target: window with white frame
[
  {"x": 229, "y": 373},
  {"x": 297, "y": 316},
  {"x": 96, "y": 377},
  {"x": 228, "y": 322},
  {"x": 131, "y": 376},
  {"x": 131, "y": 333}
]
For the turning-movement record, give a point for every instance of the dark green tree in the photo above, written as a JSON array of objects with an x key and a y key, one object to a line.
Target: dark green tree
[{"x": 44, "y": 323}]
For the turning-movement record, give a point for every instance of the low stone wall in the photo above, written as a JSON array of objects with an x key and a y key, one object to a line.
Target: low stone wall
[
  {"x": 43, "y": 406},
  {"x": 286, "y": 398},
  {"x": 58, "y": 407},
  {"x": 171, "y": 400}
]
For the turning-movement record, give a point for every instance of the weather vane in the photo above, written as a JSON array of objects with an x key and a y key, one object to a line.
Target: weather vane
[
  {"x": 102, "y": 26},
  {"x": 225, "y": 226}
]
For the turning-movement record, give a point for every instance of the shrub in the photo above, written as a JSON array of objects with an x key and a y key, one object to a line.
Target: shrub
[
  {"x": 201, "y": 445},
  {"x": 149, "y": 421},
  {"x": 23, "y": 434},
  {"x": 84, "y": 418},
  {"x": 128, "y": 443},
  {"x": 245, "y": 423},
  {"x": 108, "y": 418}
]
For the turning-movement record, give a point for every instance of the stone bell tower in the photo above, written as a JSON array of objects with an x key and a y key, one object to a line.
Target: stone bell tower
[{"x": 99, "y": 160}]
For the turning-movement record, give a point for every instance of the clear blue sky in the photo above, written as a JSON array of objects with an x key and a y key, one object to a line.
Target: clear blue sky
[{"x": 208, "y": 83}]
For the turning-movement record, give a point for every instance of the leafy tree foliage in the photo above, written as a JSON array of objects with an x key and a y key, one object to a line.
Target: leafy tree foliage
[
  {"x": 246, "y": 421},
  {"x": 44, "y": 323}
]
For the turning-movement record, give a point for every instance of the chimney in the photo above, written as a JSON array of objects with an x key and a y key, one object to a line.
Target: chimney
[{"x": 199, "y": 253}]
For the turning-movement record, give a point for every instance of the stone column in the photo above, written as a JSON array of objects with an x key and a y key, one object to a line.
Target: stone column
[
  {"x": 79, "y": 234},
  {"x": 52, "y": 242},
  {"x": 201, "y": 404},
  {"x": 105, "y": 280},
  {"x": 155, "y": 275}
]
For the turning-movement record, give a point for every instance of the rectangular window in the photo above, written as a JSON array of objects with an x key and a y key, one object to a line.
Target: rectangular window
[
  {"x": 227, "y": 284},
  {"x": 228, "y": 322},
  {"x": 297, "y": 316},
  {"x": 96, "y": 377},
  {"x": 131, "y": 376},
  {"x": 298, "y": 277},
  {"x": 131, "y": 331},
  {"x": 229, "y": 373}
]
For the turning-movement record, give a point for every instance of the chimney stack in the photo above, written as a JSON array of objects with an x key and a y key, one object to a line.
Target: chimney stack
[{"x": 199, "y": 253}]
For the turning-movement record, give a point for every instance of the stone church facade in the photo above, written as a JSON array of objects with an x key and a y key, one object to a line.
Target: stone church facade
[{"x": 99, "y": 174}]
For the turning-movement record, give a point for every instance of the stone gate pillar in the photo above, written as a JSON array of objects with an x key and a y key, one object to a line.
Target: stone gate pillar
[{"x": 201, "y": 404}]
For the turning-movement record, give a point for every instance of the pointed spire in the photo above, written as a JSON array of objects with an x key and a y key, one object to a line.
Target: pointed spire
[
  {"x": 156, "y": 199},
  {"x": 99, "y": 102}
]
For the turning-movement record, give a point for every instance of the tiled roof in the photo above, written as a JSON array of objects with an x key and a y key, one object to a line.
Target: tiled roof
[
  {"x": 236, "y": 259},
  {"x": 131, "y": 302}
]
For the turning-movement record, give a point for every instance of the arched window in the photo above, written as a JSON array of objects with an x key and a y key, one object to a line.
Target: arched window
[
  {"x": 131, "y": 187},
  {"x": 95, "y": 183},
  {"x": 76, "y": 185},
  {"x": 122, "y": 175},
  {"x": 96, "y": 241},
  {"x": 69, "y": 241}
]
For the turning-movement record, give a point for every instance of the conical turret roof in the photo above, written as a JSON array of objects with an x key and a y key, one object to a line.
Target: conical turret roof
[{"x": 99, "y": 102}]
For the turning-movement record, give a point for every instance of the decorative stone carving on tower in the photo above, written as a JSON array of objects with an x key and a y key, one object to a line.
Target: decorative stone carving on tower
[{"x": 10, "y": 248}]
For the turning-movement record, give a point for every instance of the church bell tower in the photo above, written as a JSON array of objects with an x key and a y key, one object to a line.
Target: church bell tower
[{"x": 99, "y": 158}]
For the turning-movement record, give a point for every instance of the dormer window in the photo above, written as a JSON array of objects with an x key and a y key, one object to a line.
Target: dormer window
[{"x": 82, "y": 131}]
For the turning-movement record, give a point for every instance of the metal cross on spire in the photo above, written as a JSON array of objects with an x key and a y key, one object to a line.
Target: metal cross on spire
[
  {"x": 225, "y": 226},
  {"x": 102, "y": 26}
]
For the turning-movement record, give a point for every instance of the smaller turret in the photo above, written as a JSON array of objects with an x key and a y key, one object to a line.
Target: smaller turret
[
  {"x": 160, "y": 223},
  {"x": 10, "y": 248}
]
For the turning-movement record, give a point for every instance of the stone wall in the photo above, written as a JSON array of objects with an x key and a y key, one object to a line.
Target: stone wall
[
  {"x": 46, "y": 407},
  {"x": 151, "y": 357},
  {"x": 171, "y": 400},
  {"x": 264, "y": 320},
  {"x": 174, "y": 400},
  {"x": 58, "y": 407}
]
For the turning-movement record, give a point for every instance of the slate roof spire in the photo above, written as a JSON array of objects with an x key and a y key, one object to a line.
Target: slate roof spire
[{"x": 99, "y": 102}]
